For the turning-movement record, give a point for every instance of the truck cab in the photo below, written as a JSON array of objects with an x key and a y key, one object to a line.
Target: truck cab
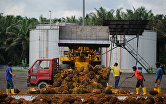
[{"x": 42, "y": 71}]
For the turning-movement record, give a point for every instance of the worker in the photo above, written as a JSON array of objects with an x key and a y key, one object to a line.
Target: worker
[
  {"x": 159, "y": 73},
  {"x": 140, "y": 80},
  {"x": 9, "y": 77},
  {"x": 116, "y": 73}
]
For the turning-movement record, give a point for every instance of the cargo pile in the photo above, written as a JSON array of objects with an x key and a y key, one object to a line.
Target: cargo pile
[
  {"x": 84, "y": 99},
  {"x": 69, "y": 81},
  {"x": 86, "y": 80},
  {"x": 92, "y": 79},
  {"x": 5, "y": 99}
]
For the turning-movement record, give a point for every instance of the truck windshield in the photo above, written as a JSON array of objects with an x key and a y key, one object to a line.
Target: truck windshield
[{"x": 40, "y": 65}]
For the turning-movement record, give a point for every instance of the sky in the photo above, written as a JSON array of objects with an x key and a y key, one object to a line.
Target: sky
[{"x": 67, "y": 8}]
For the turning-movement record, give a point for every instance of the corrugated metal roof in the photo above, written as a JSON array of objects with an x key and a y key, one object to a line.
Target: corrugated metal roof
[{"x": 126, "y": 27}]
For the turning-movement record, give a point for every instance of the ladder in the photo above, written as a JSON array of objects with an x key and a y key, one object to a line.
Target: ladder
[{"x": 136, "y": 56}]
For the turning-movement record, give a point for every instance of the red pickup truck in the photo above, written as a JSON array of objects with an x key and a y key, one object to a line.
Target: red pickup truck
[{"x": 42, "y": 72}]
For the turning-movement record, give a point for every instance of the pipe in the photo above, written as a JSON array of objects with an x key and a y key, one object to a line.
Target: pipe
[
  {"x": 110, "y": 54},
  {"x": 120, "y": 63},
  {"x": 46, "y": 43},
  {"x": 106, "y": 57},
  {"x": 83, "y": 12},
  {"x": 50, "y": 19},
  {"x": 137, "y": 48}
]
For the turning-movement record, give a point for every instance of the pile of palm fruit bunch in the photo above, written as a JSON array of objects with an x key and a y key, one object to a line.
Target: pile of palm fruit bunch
[
  {"x": 80, "y": 81},
  {"x": 96, "y": 99},
  {"x": 142, "y": 100},
  {"x": 84, "y": 99},
  {"x": 5, "y": 99},
  {"x": 84, "y": 80}
]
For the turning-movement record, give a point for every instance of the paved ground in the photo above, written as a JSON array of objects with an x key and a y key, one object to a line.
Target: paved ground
[
  {"x": 20, "y": 81},
  {"x": 130, "y": 84}
]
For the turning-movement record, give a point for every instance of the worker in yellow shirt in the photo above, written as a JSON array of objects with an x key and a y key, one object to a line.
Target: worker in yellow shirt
[{"x": 116, "y": 73}]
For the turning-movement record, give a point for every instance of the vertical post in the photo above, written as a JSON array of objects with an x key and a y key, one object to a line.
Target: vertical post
[
  {"x": 47, "y": 43},
  {"x": 39, "y": 45},
  {"x": 83, "y": 13},
  {"x": 110, "y": 53},
  {"x": 50, "y": 19},
  {"x": 137, "y": 48},
  {"x": 106, "y": 56},
  {"x": 43, "y": 43},
  {"x": 120, "y": 63}
]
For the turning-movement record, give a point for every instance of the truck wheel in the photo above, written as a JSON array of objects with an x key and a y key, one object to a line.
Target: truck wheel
[{"x": 42, "y": 85}]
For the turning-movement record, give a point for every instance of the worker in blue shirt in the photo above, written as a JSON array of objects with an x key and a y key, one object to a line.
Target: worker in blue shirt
[
  {"x": 9, "y": 77},
  {"x": 158, "y": 78}
]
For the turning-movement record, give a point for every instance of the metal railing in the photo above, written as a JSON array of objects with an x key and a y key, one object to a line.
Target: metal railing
[{"x": 136, "y": 56}]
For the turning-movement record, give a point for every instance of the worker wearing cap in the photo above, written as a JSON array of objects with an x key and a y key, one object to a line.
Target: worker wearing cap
[
  {"x": 140, "y": 80},
  {"x": 116, "y": 73},
  {"x": 9, "y": 77},
  {"x": 159, "y": 73}
]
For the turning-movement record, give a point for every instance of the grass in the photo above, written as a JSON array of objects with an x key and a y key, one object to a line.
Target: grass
[{"x": 14, "y": 70}]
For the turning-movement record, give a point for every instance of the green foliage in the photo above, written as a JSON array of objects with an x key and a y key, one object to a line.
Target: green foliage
[
  {"x": 24, "y": 63},
  {"x": 150, "y": 70},
  {"x": 14, "y": 35}
]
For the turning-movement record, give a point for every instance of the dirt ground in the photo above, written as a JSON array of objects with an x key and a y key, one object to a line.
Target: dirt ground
[{"x": 20, "y": 81}]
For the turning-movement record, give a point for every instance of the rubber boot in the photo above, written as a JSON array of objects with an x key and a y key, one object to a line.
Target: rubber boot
[
  {"x": 144, "y": 90},
  {"x": 155, "y": 89},
  {"x": 137, "y": 90},
  {"x": 12, "y": 92},
  {"x": 159, "y": 91},
  {"x": 7, "y": 91}
]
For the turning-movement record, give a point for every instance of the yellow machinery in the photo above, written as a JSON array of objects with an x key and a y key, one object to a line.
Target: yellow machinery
[
  {"x": 83, "y": 44},
  {"x": 77, "y": 57}
]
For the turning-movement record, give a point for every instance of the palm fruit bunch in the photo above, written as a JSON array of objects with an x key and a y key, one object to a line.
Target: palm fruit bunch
[
  {"x": 158, "y": 99},
  {"x": 108, "y": 90},
  {"x": 3, "y": 97},
  {"x": 33, "y": 91},
  {"x": 149, "y": 100},
  {"x": 130, "y": 100},
  {"x": 152, "y": 92}
]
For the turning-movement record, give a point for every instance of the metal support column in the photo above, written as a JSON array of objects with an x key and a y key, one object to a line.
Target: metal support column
[
  {"x": 83, "y": 13},
  {"x": 137, "y": 48}
]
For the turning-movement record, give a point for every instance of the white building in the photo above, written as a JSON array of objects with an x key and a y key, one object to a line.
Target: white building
[{"x": 44, "y": 44}]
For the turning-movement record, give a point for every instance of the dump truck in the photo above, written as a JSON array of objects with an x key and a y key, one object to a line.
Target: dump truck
[{"x": 42, "y": 71}]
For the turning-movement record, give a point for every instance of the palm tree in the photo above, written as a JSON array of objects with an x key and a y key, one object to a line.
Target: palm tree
[
  {"x": 118, "y": 15},
  {"x": 15, "y": 37},
  {"x": 6, "y": 23},
  {"x": 142, "y": 14},
  {"x": 43, "y": 20}
]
